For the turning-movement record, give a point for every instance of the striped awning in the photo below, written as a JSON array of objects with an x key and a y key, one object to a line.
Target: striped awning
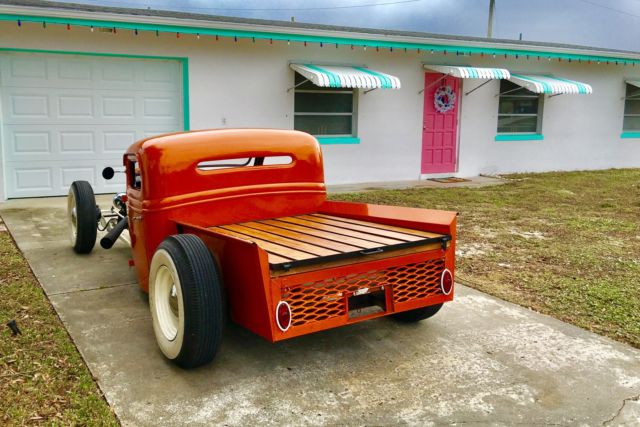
[
  {"x": 550, "y": 85},
  {"x": 349, "y": 77},
  {"x": 470, "y": 72}
]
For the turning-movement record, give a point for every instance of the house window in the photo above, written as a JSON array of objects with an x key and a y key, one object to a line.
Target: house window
[
  {"x": 519, "y": 110},
  {"x": 631, "y": 121},
  {"x": 324, "y": 111}
]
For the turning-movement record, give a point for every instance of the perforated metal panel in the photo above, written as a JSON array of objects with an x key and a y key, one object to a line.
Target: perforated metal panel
[{"x": 325, "y": 299}]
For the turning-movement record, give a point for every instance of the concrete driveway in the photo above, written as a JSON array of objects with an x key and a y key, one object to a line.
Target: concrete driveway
[{"x": 479, "y": 361}]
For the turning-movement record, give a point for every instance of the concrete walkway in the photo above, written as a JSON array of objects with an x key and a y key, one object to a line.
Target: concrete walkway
[{"x": 479, "y": 361}]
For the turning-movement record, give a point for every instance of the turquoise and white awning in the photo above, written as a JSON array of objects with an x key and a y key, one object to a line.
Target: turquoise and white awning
[
  {"x": 470, "y": 72},
  {"x": 550, "y": 85},
  {"x": 349, "y": 77}
]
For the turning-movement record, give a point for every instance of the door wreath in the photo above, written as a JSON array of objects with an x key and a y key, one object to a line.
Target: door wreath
[{"x": 444, "y": 99}]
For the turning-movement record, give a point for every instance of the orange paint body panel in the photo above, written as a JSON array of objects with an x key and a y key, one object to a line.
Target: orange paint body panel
[{"x": 169, "y": 193}]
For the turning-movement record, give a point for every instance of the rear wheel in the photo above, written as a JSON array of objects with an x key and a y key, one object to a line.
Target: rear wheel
[
  {"x": 82, "y": 216},
  {"x": 186, "y": 301},
  {"x": 417, "y": 314}
]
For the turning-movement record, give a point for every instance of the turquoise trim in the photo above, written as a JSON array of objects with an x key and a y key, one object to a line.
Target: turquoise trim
[
  {"x": 629, "y": 135},
  {"x": 333, "y": 140},
  {"x": 183, "y": 60},
  {"x": 334, "y": 80},
  {"x": 581, "y": 87},
  {"x": 472, "y": 72},
  {"x": 546, "y": 87},
  {"x": 384, "y": 80},
  {"x": 520, "y": 137},
  {"x": 186, "y": 110},
  {"x": 310, "y": 38}
]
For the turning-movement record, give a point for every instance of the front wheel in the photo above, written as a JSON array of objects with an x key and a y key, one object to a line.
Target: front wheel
[
  {"x": 417, "y": 314},
  {"x": 185, "y": 298},
  {"x": 82, "y": 217}
]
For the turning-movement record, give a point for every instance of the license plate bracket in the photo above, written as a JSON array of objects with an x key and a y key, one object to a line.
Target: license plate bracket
[{"x": 366, "y": 302}]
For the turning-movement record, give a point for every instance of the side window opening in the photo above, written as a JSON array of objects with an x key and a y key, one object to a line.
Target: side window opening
[
  {"x": 324, "y": 111},
  {"x": 237, "y": 163},
  {"x": 519, "y": 110},
  {"x": 134, "y": 177},
  {"x": 631, "y": 121}
]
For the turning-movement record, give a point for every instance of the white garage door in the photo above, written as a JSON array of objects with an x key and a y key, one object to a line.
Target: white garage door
[{"x": 64, "y": 118}]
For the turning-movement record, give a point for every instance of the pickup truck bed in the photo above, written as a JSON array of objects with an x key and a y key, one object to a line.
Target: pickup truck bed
[{"x": 304, "y": 240}]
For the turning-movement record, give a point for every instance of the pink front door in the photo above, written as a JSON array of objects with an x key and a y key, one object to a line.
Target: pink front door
[{"x": 440, "y": 123}]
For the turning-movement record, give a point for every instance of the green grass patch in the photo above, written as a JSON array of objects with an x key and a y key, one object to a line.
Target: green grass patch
[
  {"x": 565, "y": 244},
  {"x": 43, "y": 379}
]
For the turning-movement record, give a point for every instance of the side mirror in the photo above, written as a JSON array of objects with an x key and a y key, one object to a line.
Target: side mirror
[{"x": 108, "y": 173}]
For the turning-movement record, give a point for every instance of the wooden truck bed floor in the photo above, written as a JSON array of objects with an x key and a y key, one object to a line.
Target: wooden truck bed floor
[{"x": 302, "y": 240}]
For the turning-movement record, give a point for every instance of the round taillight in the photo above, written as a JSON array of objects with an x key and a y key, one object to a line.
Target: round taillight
[
  {"x": 446, "y": 282},
  {"x": 283, "y": 316}
]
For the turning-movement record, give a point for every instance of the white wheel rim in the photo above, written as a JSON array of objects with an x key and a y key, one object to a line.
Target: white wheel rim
[
  {"x": 72, "y": 214},
  {"x": 166, "y": 302}
]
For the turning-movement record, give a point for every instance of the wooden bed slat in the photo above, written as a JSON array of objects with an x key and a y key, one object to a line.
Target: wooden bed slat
[
  {"x": 306, "y": 237},
  {"x": 363, "y": 228},
  {"x": 329, "y": 244},
  {"x": 279, "y": 253},
  {"x": 275, "y": 259},
  {"x": 362, "y": 244},
  {"x": 326, "y": 227},
  {"x": 420, "y": 233},
  {"x": 281, "y": 241}
]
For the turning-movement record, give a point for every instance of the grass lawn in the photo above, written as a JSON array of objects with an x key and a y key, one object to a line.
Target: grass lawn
[
  {"x": 43, "y": 379},
  {"x": 564, "y": 244}
]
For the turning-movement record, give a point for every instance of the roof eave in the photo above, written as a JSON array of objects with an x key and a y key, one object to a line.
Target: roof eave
[{"x": 181, "y": 24}]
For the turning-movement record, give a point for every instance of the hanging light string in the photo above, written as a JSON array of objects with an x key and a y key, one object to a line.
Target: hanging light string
[{"x": 418, "y": 50}]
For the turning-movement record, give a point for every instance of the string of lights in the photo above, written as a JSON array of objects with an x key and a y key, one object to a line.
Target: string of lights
[{"x": 432, "y": 50}]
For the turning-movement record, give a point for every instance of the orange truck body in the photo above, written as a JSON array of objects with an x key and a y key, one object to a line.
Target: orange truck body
[{"x": 168, "y": 193}]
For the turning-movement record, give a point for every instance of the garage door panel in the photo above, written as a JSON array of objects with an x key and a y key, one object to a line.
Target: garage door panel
[
  {"x": 29, "y": 143},
  {"x": 28, "y": 69},
  {"x": 78, "y": 70},
  {"x": 32, "y": 180},
  {"x": 77, "y": 142},
  {"x": 27, "y": 106},
  {"x": 37, "y": 70},
  {"x": 118, "y": 107},
  {"x": 71, "y": 173},
  {"x": 34, "y": 106},
  {"x": 75, "y": 107},
  {"x": 43, "y": 179},
  {"x": 117, "y": 142},
  {"x": 165, "y": 78},
  {"x": 118, "y": 71},
  {"x": 67, "y": 117},
  {"x": 83, "y": 142}
]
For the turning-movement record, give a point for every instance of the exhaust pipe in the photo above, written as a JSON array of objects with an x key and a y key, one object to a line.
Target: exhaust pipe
[{"x": 110, "y": 239}]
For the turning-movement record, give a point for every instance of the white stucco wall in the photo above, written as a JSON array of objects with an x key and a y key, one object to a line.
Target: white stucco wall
[
  {"x": 580, "y": 131},
  {"x": 243, "y": 84}
]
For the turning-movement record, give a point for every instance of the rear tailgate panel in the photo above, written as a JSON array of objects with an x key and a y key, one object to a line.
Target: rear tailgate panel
[{"x": 319, "y": 299}]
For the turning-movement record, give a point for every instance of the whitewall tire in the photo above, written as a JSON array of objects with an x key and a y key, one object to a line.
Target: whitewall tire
[{"x": 185, "y": 298}]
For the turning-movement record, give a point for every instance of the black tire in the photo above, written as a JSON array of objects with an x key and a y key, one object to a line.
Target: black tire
[
  {"x": 418, "y": 314},
  {"x": 82, "y": 216},
  {"x": 185, "y": 293}
]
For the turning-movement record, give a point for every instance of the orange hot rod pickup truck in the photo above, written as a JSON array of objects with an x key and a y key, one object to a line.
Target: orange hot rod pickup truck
[{"x": 236, "y": 223}]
